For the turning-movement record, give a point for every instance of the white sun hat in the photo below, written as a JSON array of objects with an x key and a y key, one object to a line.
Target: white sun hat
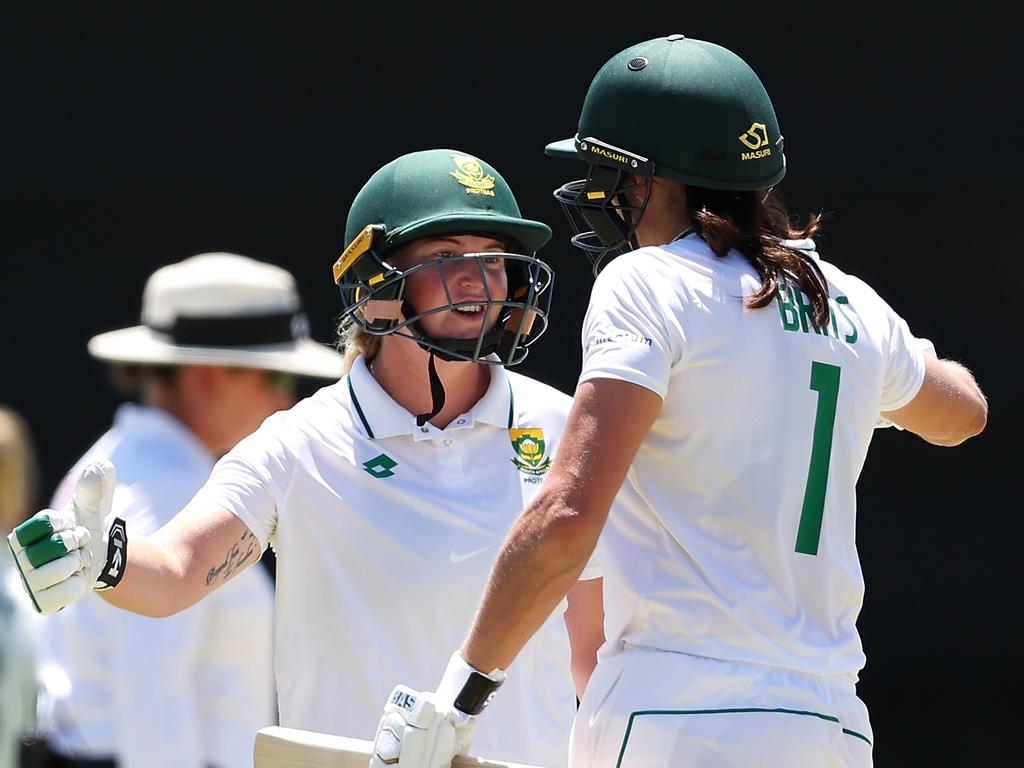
[{"x": 221, "y": 309}]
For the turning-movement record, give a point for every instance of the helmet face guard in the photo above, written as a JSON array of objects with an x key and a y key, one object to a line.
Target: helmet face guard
[
  {"x": 689, "y": 111},
  {"x": 602, "y": 219},
  {"x": 373, "y": 296}
]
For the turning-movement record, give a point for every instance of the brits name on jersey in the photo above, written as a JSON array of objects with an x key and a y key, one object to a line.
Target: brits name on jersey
[{"x": 719, "y": 547}]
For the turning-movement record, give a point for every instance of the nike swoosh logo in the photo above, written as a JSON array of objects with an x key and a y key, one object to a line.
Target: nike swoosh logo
[{"x": 458, "y": 557}]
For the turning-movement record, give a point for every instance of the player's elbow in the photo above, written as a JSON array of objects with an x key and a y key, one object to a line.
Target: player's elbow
[
  {"x": 971, "y": 423},
  {"x": 950, "y": 407},
  {"x": 574, "y": 535},
  {"x": 976, "y": 422},
  {"x": 569, "y": 530}
]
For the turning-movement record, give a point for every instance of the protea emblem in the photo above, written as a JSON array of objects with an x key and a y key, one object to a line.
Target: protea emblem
[
  {"x": 470, "y": 174},
  {"x": 531, "y": 450}
]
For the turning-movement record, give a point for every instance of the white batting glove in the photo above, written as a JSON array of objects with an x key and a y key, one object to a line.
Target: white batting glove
[
  {"x": 464, "y": 692},
  {"x": 412, "y": 733},
  {"x": 426, "y": 730},
  {"x": 62, "y": 554}
]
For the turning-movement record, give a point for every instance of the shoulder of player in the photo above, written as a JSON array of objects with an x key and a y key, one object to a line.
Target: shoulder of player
[
  {"x": 645, "y": 267},
  {"x": 875, "y": 316},
  {"x": 847, "y": 284}
]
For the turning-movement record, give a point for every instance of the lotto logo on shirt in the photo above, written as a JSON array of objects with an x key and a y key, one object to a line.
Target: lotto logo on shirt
[
  {"x": 380, "y": 466},
  {"x": 531, "y": 451}
]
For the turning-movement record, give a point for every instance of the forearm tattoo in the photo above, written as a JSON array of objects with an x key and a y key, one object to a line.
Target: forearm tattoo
[{"x": 241, "y": 552}]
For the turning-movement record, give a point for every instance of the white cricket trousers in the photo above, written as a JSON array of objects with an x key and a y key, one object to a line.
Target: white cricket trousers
[{"x": 655, "y": 709}]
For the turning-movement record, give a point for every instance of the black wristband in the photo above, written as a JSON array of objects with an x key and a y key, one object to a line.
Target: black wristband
[
  {"x": 117, "y": 557},
  {"x": 476, "y": 694}
]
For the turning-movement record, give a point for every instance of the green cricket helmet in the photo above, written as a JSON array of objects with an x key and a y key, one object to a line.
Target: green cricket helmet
[
  {"x": 681, "y": 109},
  {"x": 433, "y": 193}
]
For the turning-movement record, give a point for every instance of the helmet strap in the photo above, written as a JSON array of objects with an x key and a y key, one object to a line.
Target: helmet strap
[{"x": 436, "y": 394}]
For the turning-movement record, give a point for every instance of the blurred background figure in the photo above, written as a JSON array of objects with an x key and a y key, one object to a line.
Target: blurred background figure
[
  {"x": 222, "y": 343},
  {"x": 17, "y": 620}
]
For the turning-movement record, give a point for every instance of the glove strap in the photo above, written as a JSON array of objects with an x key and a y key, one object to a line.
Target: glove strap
[
  {"x": 469, "y": 689},
  {"x": 476, "y": 693},
  {"x": 117, "y": 557}
]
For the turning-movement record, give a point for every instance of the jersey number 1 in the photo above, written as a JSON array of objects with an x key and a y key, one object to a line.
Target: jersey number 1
[{"x": 824, "y": 381}]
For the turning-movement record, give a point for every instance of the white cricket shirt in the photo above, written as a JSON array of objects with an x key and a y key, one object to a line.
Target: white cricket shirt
[
  {"x": 714, "y": 548},
  {"x": 385, "y": 533},
  {"x": 186, "y": 691},
  {"x": 18, "y": 686}
]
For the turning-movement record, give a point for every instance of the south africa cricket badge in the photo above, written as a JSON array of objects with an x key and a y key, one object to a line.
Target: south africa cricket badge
[{"x": 531, "y": 451}]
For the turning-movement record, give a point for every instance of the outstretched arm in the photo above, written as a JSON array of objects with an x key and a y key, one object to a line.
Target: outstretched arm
[
  {"x": 63, "y": 554},
  {"x": 948, "y": 409},
  {"x": 198, "y": 550}
]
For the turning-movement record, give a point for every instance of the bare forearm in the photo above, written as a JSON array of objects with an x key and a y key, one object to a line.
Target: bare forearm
[
  {"x": 196, "y": 552},
  {"x": 153, "y": 581},
  {"x": 555, "y": 535},
  {"x": 950, "y": 407},
  {"x": 541, "y": 560}
]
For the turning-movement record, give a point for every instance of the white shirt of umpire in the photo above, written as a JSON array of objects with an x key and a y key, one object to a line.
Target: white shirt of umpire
[
  {"x": 185, "y": 691},
  {"x": 18, "y": 689},
  {"x": 711, "y": 518},
  {"x": 385, "y": 533}
]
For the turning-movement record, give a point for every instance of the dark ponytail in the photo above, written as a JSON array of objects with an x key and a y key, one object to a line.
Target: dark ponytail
[{"x": 754, "y": 225}]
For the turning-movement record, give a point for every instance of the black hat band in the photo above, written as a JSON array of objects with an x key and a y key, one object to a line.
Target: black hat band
[{"x": 237, "y": 331}]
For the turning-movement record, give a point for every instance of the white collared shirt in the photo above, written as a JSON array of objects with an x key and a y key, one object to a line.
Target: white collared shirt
[
  {"x": 763, "y": 432},
  {"x": 185, "y": 691},
  {"x": 385, "y": 533}
]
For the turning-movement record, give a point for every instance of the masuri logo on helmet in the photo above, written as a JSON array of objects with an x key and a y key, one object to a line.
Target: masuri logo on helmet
[{"x": 678, "y": 116}]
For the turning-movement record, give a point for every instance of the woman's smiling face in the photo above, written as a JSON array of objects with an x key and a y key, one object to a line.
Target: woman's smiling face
[{"x": 469, "y": 282}]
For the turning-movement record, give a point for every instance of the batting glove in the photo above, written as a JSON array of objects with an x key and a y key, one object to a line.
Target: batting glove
[
  {"x": 62, "y": 554},
  {"x": 412, "y": 733},
  {"x": 425, "y": 729}
]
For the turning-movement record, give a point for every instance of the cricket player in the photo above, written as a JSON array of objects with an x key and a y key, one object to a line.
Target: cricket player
[
  {"x": 731, "y": 383},
  {"x": 221, "y": 345},
  {"x": 387, "y": 494}
]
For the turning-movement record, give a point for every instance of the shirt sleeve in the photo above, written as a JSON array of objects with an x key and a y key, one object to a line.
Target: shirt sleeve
[
  {"x": 905, "y": 364},
  {"x": 249, "y": 480},
  {"x": 624, "y": 332}
]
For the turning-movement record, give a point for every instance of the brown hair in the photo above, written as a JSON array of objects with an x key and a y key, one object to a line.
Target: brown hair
[
  {"x": 753, "y": 224},
  {"x": 353, "y": 341},
  {"x": 18, "y": 470}
]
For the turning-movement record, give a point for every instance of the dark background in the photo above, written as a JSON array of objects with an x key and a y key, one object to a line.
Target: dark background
[{"x": 133, "y": 137}]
